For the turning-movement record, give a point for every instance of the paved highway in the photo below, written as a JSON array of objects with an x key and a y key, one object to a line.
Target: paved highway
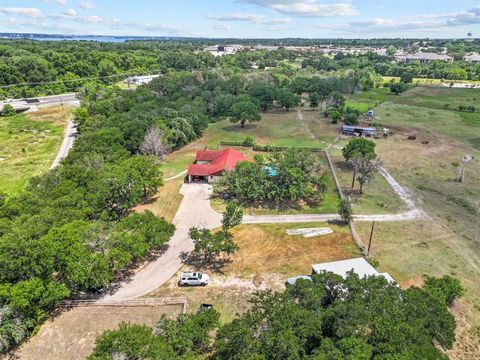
[{"x": 26, "y": 104}]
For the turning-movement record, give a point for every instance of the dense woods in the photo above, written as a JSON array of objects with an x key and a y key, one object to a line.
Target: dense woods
[{"x": 67, "y": 66}]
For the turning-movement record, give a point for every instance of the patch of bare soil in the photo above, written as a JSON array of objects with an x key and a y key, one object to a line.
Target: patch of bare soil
[{"x": 71, "y": 335}]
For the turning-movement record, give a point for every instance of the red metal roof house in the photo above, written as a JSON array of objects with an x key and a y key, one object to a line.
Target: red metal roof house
[{"x": 209, "y": 165}]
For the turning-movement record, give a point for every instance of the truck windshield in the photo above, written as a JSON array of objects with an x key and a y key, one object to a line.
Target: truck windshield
[{"x": 199, "y": 276}]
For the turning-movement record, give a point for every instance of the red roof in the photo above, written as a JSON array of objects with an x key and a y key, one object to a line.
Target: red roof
[{"x": 221, "y": 160}]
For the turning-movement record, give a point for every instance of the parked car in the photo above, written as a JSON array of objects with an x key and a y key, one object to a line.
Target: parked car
[
  {"x": 204, "y": 307},
  {"x": 193, "y": 279}
]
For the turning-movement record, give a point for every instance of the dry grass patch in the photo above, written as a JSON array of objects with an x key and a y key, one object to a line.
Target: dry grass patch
[
  {"x": 268, "y": 249},
  {"x": 166, "y": 202},
  {"x": 409, "y": 250},
  {"x": 229, "y": 301},
  {"x": 71, "y": 335}
]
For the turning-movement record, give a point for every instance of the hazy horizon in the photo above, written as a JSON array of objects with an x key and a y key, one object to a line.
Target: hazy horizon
[{"x": 247, "y": 19}]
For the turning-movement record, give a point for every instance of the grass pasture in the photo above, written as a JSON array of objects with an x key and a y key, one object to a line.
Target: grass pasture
[
  {"x": 408, "y": 250},
  {"x": 28, "y": 145},
  {"x": 447, "y": 242},
  {"x": 277, "y": 127},
  {"x": 378, "y": 197}
]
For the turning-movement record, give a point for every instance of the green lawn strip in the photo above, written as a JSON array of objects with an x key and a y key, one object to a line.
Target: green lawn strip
[
  {"x": 378, "y": 197},
  {"x": 177, "y": 162},
  {"x": 459, "y": 126},
  {"x": 279, "y": 128},
  {"x": 28, "y": 147}
]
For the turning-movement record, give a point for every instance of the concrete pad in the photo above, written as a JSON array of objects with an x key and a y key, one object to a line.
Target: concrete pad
[{"x": 310, "y": 232}]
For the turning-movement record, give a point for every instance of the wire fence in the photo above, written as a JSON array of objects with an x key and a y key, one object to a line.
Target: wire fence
[{"x": 140, "y": 302}]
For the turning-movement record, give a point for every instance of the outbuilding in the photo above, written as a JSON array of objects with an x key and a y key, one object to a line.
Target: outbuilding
[{"x": 359, "y": 266}]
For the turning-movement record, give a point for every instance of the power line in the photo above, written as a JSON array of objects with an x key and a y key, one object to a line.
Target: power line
[{"x": 68, "y": 81}]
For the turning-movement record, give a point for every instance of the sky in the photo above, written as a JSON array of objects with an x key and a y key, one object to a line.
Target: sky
[{"x": 245, "y": 18}]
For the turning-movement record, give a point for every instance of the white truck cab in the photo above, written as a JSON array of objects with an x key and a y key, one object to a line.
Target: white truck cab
[{"x": 193, "y": 279}]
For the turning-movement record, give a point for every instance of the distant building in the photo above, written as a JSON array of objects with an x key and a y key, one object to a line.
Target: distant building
[
  {"x": 140, "y": 80},
  {"x": 473, "y": 58},
  {"x": 220, "y": 50},
  {"x": 211, "y": 165},
  {"x": 423, "y": 57}
]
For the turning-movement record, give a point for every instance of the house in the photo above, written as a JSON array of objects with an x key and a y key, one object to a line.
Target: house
[
  {"x": 219, "y": 50},
  {"x": 211, "y": 165},
  {"x": 423, "y": 57},
  {"x": 473, "y": 58}
]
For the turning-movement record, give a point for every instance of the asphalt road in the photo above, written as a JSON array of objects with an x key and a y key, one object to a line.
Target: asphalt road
[
  {"x": 25, "y": 104},
  {"x": 69, "y": 138}
]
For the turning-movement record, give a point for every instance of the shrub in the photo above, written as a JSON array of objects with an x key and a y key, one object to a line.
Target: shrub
[
  {"x": 248, "y": 142},
  {"x": 8, "y": 110}
]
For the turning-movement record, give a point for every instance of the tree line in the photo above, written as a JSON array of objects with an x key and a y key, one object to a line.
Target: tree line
[{"x": 327, "y": 318}]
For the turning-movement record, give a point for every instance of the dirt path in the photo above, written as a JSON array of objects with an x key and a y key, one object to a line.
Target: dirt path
[
  {"x": 304, "y": 125},
  {"x": 176, "y": 176}
]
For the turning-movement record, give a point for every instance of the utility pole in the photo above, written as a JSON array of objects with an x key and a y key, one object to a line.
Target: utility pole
[
  {"x": 465, "y": 160},
  {"x": 371, "y": 236}
]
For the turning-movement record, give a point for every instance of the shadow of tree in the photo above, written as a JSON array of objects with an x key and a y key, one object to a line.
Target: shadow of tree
[
  {"x": 199, "y": 262},
  {"x": 237, "y": 127}
]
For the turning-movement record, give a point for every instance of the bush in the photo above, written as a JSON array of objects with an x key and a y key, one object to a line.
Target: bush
[
  {"x": 398, "y": 88},
  {"x": 446, "y": 289},
  {"x": 8, "y": 110},
  {"x": 249, "y": 141}
]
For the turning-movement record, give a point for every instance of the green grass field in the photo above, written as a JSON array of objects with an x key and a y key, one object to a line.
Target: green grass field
[
  {"x": 378, "y": 197},
  {"x": 28, "y": 146},
  {"x": 447, "y": 242},
  {"x": 279, "y": 128},
  {"x": 432, "y": 110}
]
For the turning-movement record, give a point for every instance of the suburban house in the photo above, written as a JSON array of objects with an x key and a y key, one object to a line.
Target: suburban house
[
  {"x": 423, "y": 57},
  {"x": 211, "y": 165}
]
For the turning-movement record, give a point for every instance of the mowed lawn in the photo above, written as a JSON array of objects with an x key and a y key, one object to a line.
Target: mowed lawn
[
  {"x": 279, "y": 128},
  {"x": 378, "y": 196},
  {"x": 268, "y": 249},
  {"x": 28, "y": 145}
]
